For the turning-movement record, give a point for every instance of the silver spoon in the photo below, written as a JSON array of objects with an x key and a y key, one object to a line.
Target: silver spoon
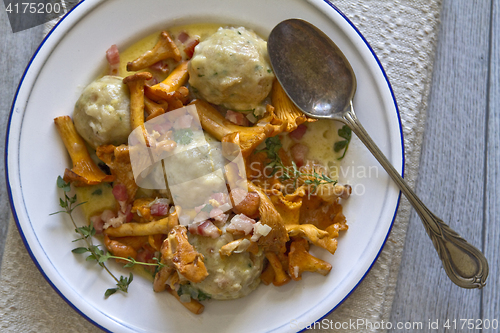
[{"x": 320, "y": 81}]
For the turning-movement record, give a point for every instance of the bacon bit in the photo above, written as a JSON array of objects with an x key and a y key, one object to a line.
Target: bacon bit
[
  {"x": 125, "y": 215},
  {"x": 259, "y": 230},
  {"x": 237, "y": 118},
  {"x": 107, "y": 215},
  {"x": 299, "y": 132},
  {"x": 199, "y": 208},
  {"x": 220, "y": 220},
  {"x": 115, "y": 221},
  {"x": 219, "y": 197},
  {"x": 183, "y": 122},
  {"x": 183, "y": 37},
  {"x": 189, "y": 50},
  {"x": 162, "y": 128},
  {"x": 205, "y": 228},
  {"x": 97, "y": 223},
  {"x": 159, "y": 209},
  {"x": 299, "y": 152},
  {"x": 209, "y": 229},
  {"x": 120, "y": 192},
  {"x": 128, "y": 213},
  {"x": 201, "y": 216},
  {"x": 160, "y": 66},
  {"x": 193, "y": 228},
  {"x": 215, "y": 212},
  {"x": 113, "y": 58},
  {"x": 241, "y": 223},
  {"x": 145, "y": 256}
]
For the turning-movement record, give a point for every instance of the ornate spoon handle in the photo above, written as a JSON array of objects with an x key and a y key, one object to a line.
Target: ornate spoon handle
[{"x": 465, "y": 265}]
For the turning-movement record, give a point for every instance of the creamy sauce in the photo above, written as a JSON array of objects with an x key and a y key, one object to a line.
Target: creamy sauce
[
  {"x": 202, "y": 31},
  {"x": 320, "y": 137}
]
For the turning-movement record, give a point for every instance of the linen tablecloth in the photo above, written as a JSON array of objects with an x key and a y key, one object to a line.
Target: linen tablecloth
[{"x": 403, "y": 34}]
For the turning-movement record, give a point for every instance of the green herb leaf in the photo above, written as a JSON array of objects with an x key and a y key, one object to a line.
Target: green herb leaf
[
  {"x": 129, "y": 264},
  {"x": 66, "y": 187},
  {"x": 97, "y": 192},
  {"x": 183, "y": 136},
  {"x": 62, "y": 203},
  {"x": 80, "y": 250},
  {"x": 346, "y": 133},
  {"x": 125, "y": 282},
  {"x": 91, "y": 257},
  {"x": 188, "y": 289},
  {"x": 110, "y": 292},
  {"x": 339, "y": 145}
]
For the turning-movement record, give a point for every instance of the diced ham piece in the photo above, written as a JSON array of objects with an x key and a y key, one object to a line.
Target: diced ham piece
[
  {"x": 237, "y": 118},
  {"x": 241, "y": 223},
  {"x": 220, "y": 220},
  {"x": 183, "y": 37},
  {"x": 159, "y": 209},
  {"x": 201, "y": 216},
  {"x": 159, "y": 206},
  {"x": 162, "y": 127},
  {"x": 145, "y": 256},
  {"x": 124, "y": 214},
  {"x": 97, "y": 223},
  {"x": 189, "y": 50},
  {"x": 113, "y": 57},
  {"x": 107, "y": 215},
  {"x": 127, "y": 212},
  {"x": 198, "y": 209},
  {"x": 208, "y": 229},
  {"x": 193, "y": 228},
  {"x": 215, "y": 212},
  {"x": 299, "y": 132},
  {"x": 259, "y": 230},
  {"x": 220, "y": 197},
  {"x": 183, "y": 122},
  {"x": 160, "y": 66},
  {"x": 116, "y": 221},
  {"x": 205, "y": 228},
  {"x": 299, "y": 152},
  {"x": 120, "y": 192}
]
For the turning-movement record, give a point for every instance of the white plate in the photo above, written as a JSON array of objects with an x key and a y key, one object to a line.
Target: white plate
[{"x": 73, "y": 54}]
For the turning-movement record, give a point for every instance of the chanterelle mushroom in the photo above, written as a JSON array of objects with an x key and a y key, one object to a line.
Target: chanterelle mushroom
[
  {"x": 178, "y": 253},
  {"x": 248, "y": 138},
  {"x": 299, "y": 261},
  {"x": 136, "y": 86},
  {"x": 85, "y": 171},
  {"x": 118, "y": 160},
  {"x": 286, "y": 110},
  {"x": 165, "y": 48},
  {"x": 276, "y": 239},
  {"x": 316, "y": 236}
]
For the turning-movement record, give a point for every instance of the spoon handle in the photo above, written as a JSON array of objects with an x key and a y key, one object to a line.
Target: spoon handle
[{"x": 465, "y": 265}]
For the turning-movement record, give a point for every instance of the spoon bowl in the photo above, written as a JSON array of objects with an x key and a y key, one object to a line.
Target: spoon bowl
[
  {"x": 314, "y": 90},
  {"x": 318, "y": 78}
]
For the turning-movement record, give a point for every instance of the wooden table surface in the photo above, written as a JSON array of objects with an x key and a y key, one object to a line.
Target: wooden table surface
[{"x": 459, "y": 166}]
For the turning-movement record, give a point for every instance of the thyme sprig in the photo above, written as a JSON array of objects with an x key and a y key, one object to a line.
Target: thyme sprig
[
  {"x": 315, "y": 179},
  {"x": 96, "y": 254},
  {"x": 293, "y": 173}
]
